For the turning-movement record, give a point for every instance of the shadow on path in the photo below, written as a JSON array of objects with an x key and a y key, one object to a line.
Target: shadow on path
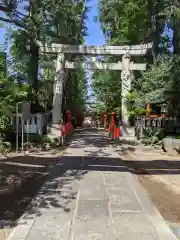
[{"x": 60, "y": 190}]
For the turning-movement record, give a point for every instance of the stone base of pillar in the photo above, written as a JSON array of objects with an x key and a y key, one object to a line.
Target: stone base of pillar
[
  {"x": 131, "y": 140},
  {"x": 127, "y": 135},
  {"x": 54, "y": 132},
  {"x": 127, "y": 131}
]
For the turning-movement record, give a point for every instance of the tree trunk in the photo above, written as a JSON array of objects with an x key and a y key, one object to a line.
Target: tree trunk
[
  {"x": 176, "y": 37},
  {"x": 155, "y": 27},
  {"x": 33, "y": 75},
  {"x": 34, "y": 56},
  {"x": 151, "y": 58}
]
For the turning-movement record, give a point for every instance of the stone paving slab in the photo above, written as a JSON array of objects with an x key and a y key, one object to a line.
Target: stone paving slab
[
  {"x": 121, "y": 199},
  {"x": 91, "y": 209},
  {"x": 115, "y": 179},
  {"x": 140, "y": 222},
  {"x": 96, "y": 229},
  {"x": 57, "y": 195},
  {"x": 91, "y": 195},
  {"x": 133, "y": 226},
  {"x": 95, "y": 192},
  {"x": 96, "y": 189},
  {"x": 52, "y": 225},
  {"x": 135, "y": 235}
]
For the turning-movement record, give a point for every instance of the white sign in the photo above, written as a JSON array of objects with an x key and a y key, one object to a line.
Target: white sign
[
  {"x": 26, "y": 111},
  {"x": 58, "y": 87},
  {"x": 30, "y": 128}
]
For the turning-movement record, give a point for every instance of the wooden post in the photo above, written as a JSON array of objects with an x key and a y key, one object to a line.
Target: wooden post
[
  {"x": 118, "y": 133},
  {"x": 105, "y": 119},
  {"x": 68, "y": 120},
  {"x": 114, "y": 132},
  {"x": 148, "y": 109},
  {"x": 112, "y": 119}
]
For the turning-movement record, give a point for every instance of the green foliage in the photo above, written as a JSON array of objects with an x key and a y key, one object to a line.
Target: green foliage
[
  {"x": 107, "y": 89},
  {"x": 121, "y": 19},
  {"x": 134, "y": 22},
  {"x": 4, "y": 123},
  {"x": 59, "y": 21},
  {"x": 45, "y": 92},
  {"x": 173, "y": 84},
  {"x": 152, "y": 85},
  {"x": 77, "y": 92},
  {"x": 3, "y": 67},
  {"x": 152, "y": 136},
  {"x": 133, "y": 105},
  {"x": 5, "y": 147},
  {"x": 21, "y": 79},
  {"x": 131, "y": 22},
  {"x": 40, "y": 142},
  {"x": 161, "y": 84}
]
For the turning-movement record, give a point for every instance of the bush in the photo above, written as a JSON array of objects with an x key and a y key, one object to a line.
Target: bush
[
  {"x": 152, "y": 136},
  {"x": 5, "y": 147},
  {"x": 42, "y": 142}
]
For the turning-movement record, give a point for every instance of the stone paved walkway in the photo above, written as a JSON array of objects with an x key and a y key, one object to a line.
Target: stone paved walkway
[{"x": 91, "y": 195}]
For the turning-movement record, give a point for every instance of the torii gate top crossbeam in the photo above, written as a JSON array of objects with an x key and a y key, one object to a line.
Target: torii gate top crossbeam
[{"x": 55, "y": 48}]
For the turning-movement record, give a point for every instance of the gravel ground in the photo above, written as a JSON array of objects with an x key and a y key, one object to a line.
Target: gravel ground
[
  {"x": 165, "y": 198},
  {"x": 20, "y": 178}
]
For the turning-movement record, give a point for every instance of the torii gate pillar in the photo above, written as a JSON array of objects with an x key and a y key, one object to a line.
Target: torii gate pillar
[
  {"x": 126, "y": 78},
  {"x": 58, "y": 94}
]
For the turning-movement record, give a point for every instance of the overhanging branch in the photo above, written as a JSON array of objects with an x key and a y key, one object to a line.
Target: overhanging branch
[
  {"x": 6, "y": 20},
  {"x": 4, "y": 9}
]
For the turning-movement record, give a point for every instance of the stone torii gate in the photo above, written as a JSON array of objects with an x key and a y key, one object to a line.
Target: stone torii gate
[{"x": 126, "y": 67}]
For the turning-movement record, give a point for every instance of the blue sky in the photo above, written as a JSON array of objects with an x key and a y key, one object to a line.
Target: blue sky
[
  {"x": 2, "y": 32},
  {"x": 95, "y": 35}
]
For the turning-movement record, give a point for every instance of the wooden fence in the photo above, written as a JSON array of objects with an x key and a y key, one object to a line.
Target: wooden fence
[
  {"x": 170, "y": 125},
  {"x": 37, "y": 123}
]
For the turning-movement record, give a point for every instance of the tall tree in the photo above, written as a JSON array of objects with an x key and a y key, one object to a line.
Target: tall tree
[
  {"x": 39, "y": 20},
  {"x": 134, "y": 22}
]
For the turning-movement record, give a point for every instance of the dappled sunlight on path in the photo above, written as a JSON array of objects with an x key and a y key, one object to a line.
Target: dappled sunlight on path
[{"x": 91, "y": 194}]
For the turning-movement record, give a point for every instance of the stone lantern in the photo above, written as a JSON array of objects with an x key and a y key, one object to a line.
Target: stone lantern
[{"x": 164, "y": 110}]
